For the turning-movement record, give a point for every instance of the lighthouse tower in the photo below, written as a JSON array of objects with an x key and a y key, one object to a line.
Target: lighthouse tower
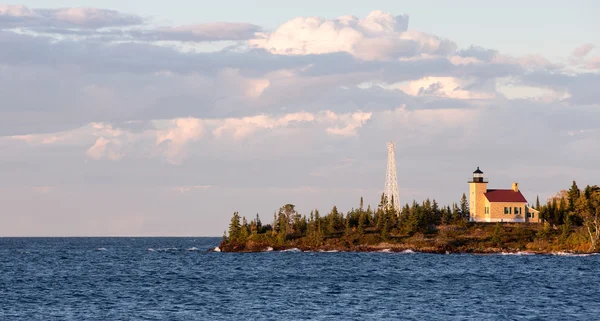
[{"x": 477, "y": 187}]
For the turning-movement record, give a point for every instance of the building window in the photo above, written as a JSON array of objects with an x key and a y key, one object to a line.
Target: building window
[
  {"x": 517, "y": 210},
  {"x": 506, "y": 210},
  {"x": 531, "y": 215}
]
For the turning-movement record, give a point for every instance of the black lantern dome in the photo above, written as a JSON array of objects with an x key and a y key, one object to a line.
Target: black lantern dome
[{"x": 478, "y": 176}]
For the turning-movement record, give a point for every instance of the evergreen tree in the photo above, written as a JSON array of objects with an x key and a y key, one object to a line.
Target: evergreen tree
[
  {"x": 573, "y": 195},
  {"x": 464, "y": 206},
  {"x": 332, "y": 224},
  {"x": 537, "y": 203},
  {"x": 385, "y": 230},
  {"x": 347, "y": 229},
  {"x": 435, "y": 211},
  {"x": 362, "y": 222},
  {"x": 243, "y": 235},
  {"x": 456, "y": 216},
  {"x": 234, "y": 227},
  {"x": 258, "y": 224}
]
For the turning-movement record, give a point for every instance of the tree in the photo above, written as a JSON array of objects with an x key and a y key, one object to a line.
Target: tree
[
  {"x": 537, "y": 203},
  {"x": 589, "y": 209},
  {"x": 234, "y": 227},
  {"x": 347, "y": 229},
  {"x": 243, "y": 234},
  {"x": 362, "y": 222},
  {"x": 464, "y": 206},
  {"x": 332, "y": 224},
  {"x": 573, "y": 195},
  {"x": 289, "y": 213},
  {"x": 258, "y": 224}
]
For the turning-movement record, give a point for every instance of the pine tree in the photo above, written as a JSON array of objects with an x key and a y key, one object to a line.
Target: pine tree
[
  {"x": 435, "y": 211},
  {"x": 234, "y": 227},
  {"x": 464, "y": 206},
  {"x": 573, "y": 195},
  {"x": 455, "y": 213},
  {"x": 243, "y": 235},
  {"x": 333, "y": 217},
  {"x": 347, "y": 229},
  {"x": 385, "y": 230},
  {"x": 362, "y": 222},
  {"x": 537, "y": 203},
  {"x": 258, "y": 224}
]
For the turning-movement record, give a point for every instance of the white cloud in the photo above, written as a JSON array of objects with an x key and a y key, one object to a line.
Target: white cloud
[
  {"x": 350, "y": 122},
  {"x": 174, "y": 139},
  {"x": 449, "y": 87},
  {"x": 379, "y": 36}
]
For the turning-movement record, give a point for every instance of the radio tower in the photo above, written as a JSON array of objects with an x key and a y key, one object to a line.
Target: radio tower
[{"x": 391, "y": 180}]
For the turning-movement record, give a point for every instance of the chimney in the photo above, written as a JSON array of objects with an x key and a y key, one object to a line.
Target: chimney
[{"x": 515, "y": 187}]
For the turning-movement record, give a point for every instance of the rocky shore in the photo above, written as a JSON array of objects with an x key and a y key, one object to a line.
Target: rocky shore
[{"x": 473, "y": 238}]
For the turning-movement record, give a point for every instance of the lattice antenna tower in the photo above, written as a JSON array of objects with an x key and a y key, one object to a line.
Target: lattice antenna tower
[{"x": 391, "y": 179}]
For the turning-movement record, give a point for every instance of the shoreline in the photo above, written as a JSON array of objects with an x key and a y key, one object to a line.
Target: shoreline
[{"x": 397, "y": 248}]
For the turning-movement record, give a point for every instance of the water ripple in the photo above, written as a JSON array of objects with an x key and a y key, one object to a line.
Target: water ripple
[{"x": 184, "y": 279}]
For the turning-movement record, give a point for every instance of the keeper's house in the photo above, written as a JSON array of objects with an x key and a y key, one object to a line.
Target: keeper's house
[{"x": 498, "y": 205}]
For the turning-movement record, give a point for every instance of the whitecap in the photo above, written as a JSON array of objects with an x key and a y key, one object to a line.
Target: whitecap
[
  {"x": 167, "y": 249},
  {"x": 269, "y": 249},
  {"x": 193, "y": 249},
  {"x": 385, "y": 251},
  {"x": 517, "y": 253},
  {"x": 572, "y": 254},
  {"x": 408, "y": 252},
  {"x": 150, "y": 250},
  {"x": 101, "y": 249},
  {"x": 217, "y": 249},
  {"x": 294, "y": 250},
  {"x": 329, "y": 251}
]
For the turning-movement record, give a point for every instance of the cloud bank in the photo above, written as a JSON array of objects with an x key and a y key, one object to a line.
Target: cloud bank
[{"x": 129, "y": 121}]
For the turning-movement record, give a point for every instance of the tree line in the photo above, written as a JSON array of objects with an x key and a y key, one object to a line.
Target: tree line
[
  {"x": 383, "y": 220},
  {"x": 574, "y": 208}
]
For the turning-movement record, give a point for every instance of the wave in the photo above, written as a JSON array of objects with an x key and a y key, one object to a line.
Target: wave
[
  {"x": 268, "y": 249},
  {"x": 217, "y": 249},
  {"x": 293, "y": 250},
  {"x": 517, "y": 253},
  {"x": 101, "y": 249},
  {"x": 193, "y": 249},
  {"x": 385, "y": 251},
  {"x": 408, "y": 252},
  {"x": 165, "y": 249},
  {"x": 329, "y": 251},
  {"x": 573, "y": 254}
]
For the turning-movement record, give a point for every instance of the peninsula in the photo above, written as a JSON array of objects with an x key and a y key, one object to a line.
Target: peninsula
[{"x": 568, "y": 222}]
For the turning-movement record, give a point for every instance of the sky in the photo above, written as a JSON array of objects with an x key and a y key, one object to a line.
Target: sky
[{"x": 154, "y": 118}]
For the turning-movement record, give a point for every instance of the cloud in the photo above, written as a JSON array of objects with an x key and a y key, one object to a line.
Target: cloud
[
  {"x": 155, "y": 122},
  {"x": 179, "y": 132},
  {"x": 445, "y": 87},
  {"x": 379, "y": 36},
  {"x": 583, "y": 50},
  {"x": 187, "y": 189},
  {"x": 594, "y": 63},
  {"x": 214, "y": 31},
  {"x": 23, "y": 17}
]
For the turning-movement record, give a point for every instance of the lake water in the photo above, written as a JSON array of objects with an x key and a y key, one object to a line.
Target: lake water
[{"x": 177, "y": 279}]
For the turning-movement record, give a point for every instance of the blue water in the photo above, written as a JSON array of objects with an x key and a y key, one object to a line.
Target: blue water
[{"x": 121, "y": 279}]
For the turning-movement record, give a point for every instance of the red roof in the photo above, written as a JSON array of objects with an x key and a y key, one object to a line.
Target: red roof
[{"x": 504, "y": 195}]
